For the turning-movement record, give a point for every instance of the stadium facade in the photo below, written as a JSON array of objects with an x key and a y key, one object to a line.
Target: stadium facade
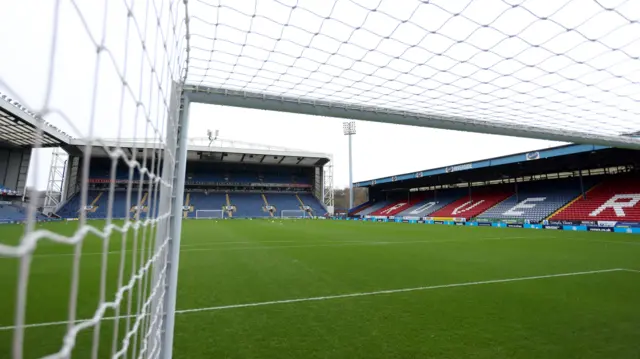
[
  {"x": 573, "y": 187},
  {"x": 18, "y": 135},
  {"x": 228, "y": 182},
  {"x": 220, "y": 182}
]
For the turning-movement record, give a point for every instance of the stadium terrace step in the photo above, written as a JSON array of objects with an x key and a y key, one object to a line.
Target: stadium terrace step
[
  {"x": 229, "y": 205},
  {"x": 311, "y": 201},
  {"x": 268, "y": 207}
]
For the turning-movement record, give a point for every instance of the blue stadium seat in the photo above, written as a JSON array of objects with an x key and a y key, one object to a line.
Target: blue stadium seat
[
  {"x": 206, "y": 201},
  {"x": 537, "y": 200},
  {"x": 433, "y": 203},
  {"x": 374, "y": 207},
  {"x": 248, "y": 205}
]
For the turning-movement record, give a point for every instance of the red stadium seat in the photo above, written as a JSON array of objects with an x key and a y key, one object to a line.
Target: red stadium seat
[
  {"x": 612, "y": 200},
  {"x": 469, "y": 208},
  {"x": 398, "y": 206}
]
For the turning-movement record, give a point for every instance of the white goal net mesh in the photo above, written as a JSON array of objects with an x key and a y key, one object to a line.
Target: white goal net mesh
[
  {"x": 533, "y": 68},
  {"x": 106, "y": 78},
  {"x": 561, "y": 70}
]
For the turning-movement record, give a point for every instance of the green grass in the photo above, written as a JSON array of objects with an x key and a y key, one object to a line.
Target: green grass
[{"x": 239, "y": 262}]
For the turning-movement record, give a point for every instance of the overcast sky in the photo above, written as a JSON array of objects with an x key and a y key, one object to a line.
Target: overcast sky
[
  {"x": 407, "y": 55},
  {"x": 379, "y": 150}
]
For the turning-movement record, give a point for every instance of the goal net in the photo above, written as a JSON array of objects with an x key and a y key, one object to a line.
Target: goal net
[
  {"x": 562, "y": 70},
  {"x": 106, "y": 86},
  {"x": 114, "y": 83},
  {"x": 293, "y": 213},
  {"x": 209, "y": 214}
]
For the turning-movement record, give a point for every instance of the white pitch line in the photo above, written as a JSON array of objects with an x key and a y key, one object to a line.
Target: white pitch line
[
  {"x": 631, "y": 270},
  {"x": 349, "y": 295},
  {"x": 393, "y": 291}
]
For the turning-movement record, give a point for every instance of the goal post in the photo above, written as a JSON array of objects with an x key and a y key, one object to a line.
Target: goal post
[
  {"x": 293, "y": 214},
  {"x": 125, "y": 138},
  {"x": 209, "y": 214}
]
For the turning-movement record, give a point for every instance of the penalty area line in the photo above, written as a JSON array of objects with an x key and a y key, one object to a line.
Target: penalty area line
[{"x": 341, "y": 296}]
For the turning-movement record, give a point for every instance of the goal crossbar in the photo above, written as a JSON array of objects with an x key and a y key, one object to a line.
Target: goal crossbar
[{"x": 310, "y": 106}]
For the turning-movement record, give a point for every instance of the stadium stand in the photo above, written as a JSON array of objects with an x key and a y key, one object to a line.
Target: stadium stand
[
  {"x": 316, "y": 207},
  {"x": 202, "y": 173},
  {"x": 70, "y": 208},
  {"x": 395, "y": 207},
  {"x": 359, "y": 208},
  {"x": 284, "y": 201},
  {"x": 480, "y": 201},
  {"x": 433, "y": 203},
  {"x": 252, "y": 204},
  {"x": 10, "y": 212},
  {"x": 205, "y": 201},
  {"x": 248, "y": 205},
  {"x": 97, "y": 206},
  {"x": 372, "y": 207},
  {"x": 535, "y": 201},
  {"x": 584, "y": 185},
  {"x": 213, "y": 181},
  {"x": 7, "y": 192},
  {"x": 615, "y": 199},
  {"x": 15, "y": 212},
  {"x": 12, "y": 207}
]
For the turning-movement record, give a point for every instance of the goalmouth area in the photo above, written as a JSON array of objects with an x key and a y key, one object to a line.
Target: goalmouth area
[{"x": 313, "y": 288}]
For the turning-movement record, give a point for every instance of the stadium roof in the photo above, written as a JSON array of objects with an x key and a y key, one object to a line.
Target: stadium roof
[
  {"x": 555, "y": 159},
  {"x": 257, "y": 156},
  {"x": 18, "y": 127},
  {"x": 279, "y": 156}
]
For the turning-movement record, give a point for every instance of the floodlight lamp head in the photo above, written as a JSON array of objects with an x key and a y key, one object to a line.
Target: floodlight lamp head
[{"x": 349, "y": 128}]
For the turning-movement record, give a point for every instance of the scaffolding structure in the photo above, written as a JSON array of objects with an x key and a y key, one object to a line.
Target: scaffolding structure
[{"x": 54, "y": 195}]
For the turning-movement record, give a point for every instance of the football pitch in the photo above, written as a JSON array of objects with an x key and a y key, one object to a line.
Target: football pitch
[{"x": 340, "y": 289}]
